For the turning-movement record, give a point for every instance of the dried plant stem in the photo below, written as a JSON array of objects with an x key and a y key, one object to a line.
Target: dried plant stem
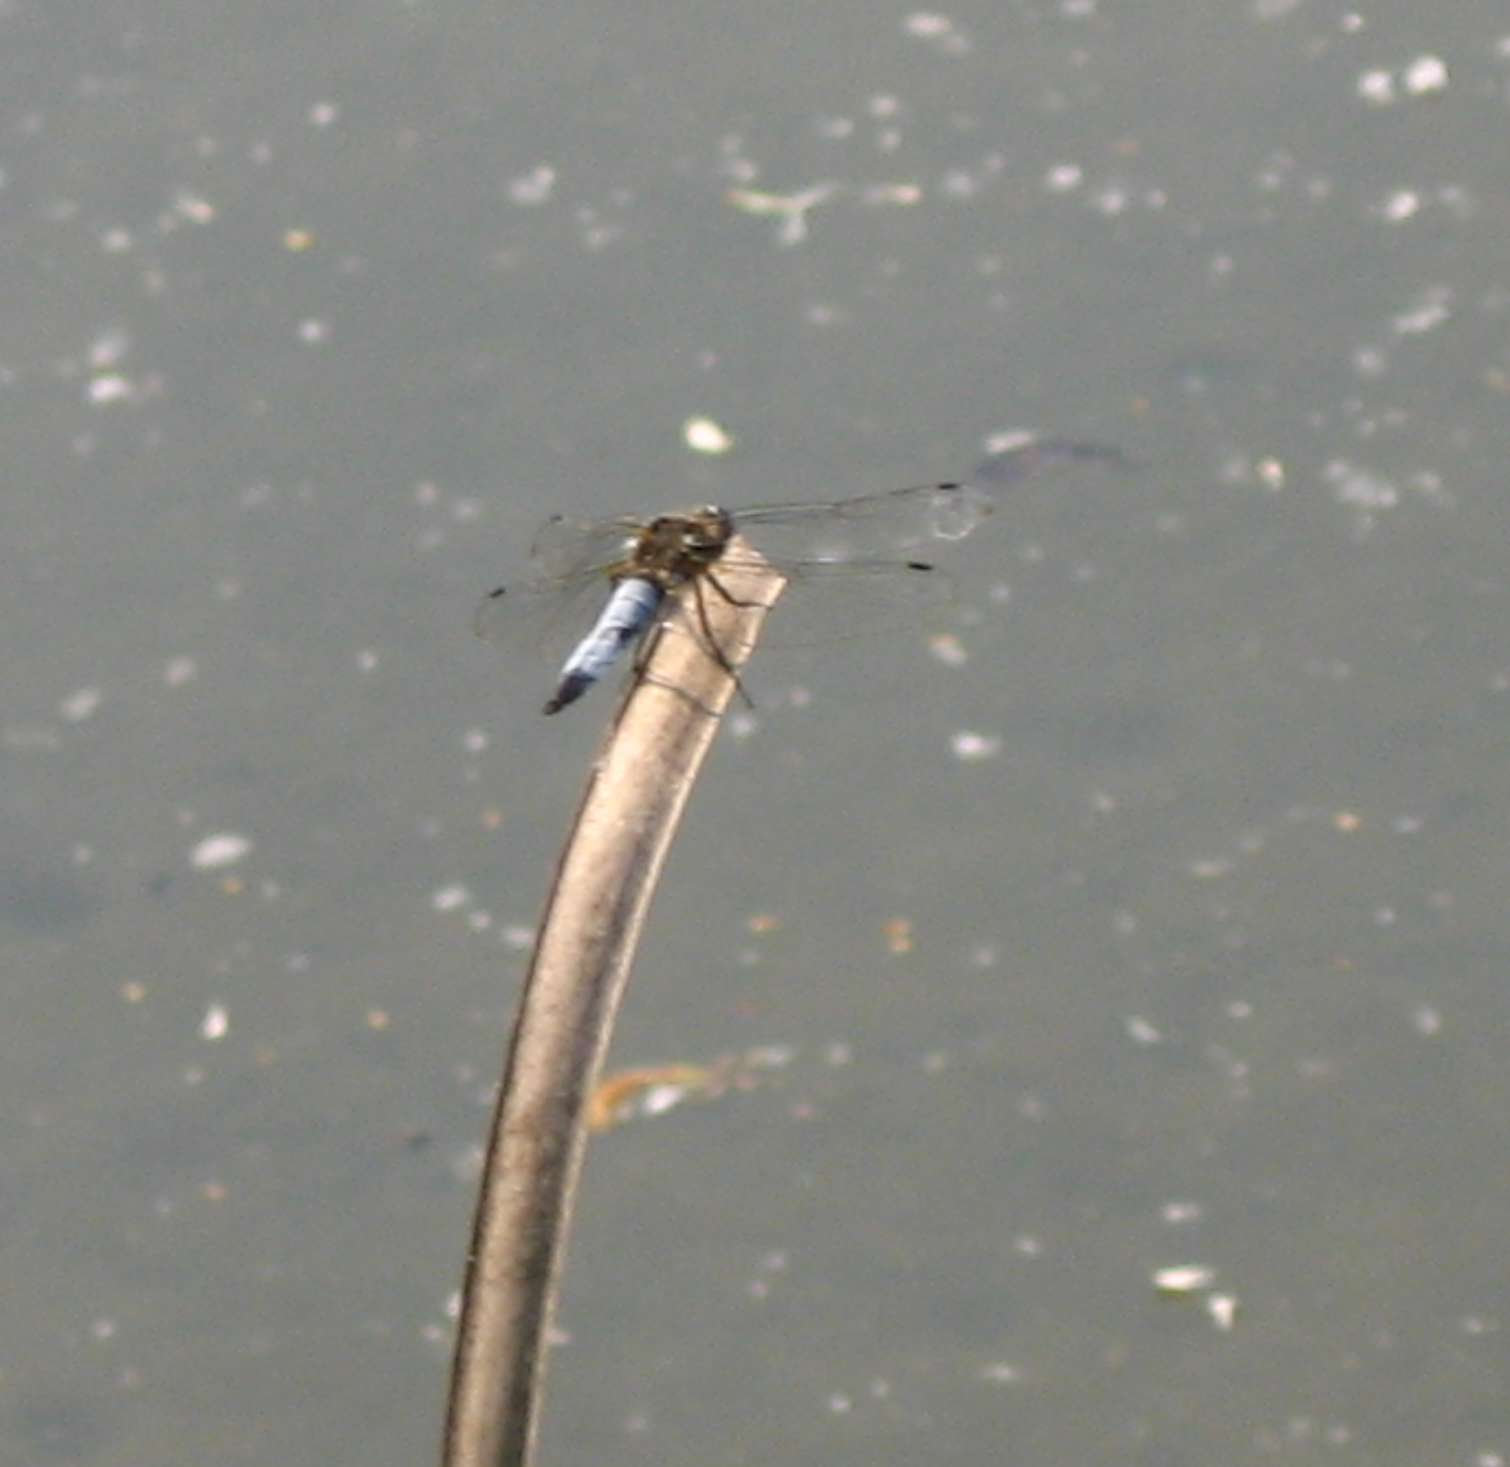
[{"x": 608, "y": 872}]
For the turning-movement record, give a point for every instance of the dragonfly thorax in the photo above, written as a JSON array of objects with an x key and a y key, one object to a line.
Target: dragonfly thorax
[{"x": 673, "y": 548}]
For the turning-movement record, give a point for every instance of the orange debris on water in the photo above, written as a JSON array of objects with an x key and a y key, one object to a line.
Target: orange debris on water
[{"x": 898, "y": 933}]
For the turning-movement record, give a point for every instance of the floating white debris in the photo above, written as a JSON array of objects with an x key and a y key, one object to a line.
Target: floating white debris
[
  {"x": 791, "y": 209},
  {"x": 1141, "y": 1031},
  {"x": 215, "y": 852},
  {"x": 1270, "y": 473},
  {"x": 1431, "y": 308},
  {"x": 108, "y": 349},
  {"x": 1000, "y": 1373},
  {"x": 704, "y": 435},
  {"x": 892, "y": 195},
  {"x": 1424, "y": 75},
  {"x": 972, "y": 748},
  {"x": 948, "y": 649},
  {"x": 449, "y": 898},
  {"x": 1401, "y": 205},
  {"x": 193, "y": 208},
  {"x": 1181, "y": 1212},
  {"x": 80, "y": 706},
  {"x": 1426, "y": 1020},
  {"x": 1223, "y": 1310},
  {"x": 179, "y": 670},
  {"x": 534, "y": 187},
  {"x": 1183, "y": 1278},
  {"x": 108, "y": 388},
  {"x": 216, "y": 1023}
]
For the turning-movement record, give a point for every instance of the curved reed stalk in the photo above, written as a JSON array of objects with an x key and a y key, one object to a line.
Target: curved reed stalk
[{"x": 634, "y": 799}]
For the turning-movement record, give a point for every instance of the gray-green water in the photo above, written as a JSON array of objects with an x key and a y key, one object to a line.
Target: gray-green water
[{"x": 1199, "y": 856}]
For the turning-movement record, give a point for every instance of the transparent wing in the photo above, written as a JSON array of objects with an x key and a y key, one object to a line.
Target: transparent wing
[
  {"x": 841, "y": 601},
  {"x": 853, "y": 549},
  {"x": 866, "y": 532},
  {"x": 568, "y": 558},
  {"x": 565, "y": 549}
]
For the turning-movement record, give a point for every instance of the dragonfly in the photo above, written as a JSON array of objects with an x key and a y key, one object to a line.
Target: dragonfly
[{"x": 642, "y": 560}]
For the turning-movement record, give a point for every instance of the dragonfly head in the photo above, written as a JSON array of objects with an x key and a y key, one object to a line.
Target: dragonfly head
[{"x": 698, "y": 532}]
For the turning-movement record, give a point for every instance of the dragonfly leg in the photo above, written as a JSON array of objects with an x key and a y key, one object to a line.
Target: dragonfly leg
[{"x": 710, "y": 642}]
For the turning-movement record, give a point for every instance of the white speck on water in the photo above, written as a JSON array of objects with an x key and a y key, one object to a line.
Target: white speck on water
[
  {"x": 895, "y": 195},
  {"x": 110, "y": 388},
  {"x": 972, "y": 748},
  {"x": 1176, "y": 1213},
  {"x": 475, "y": 740},
  {"x": 215, "y": 852},
  {"x": 998, "y": 1372},
  {"x": 1426, "y": 1020},
  {"x": 1424, "y": 75},
  {"x": 179, "y": 670},
  {"x": 1064, "y": 178},
  {"x": 791, "y": 210},
  {"x": 1377, "y": 88},
  {"x": 1141, "y": 1030},
  {"x": 313, "y": 332},
  {"x": 193, "y": 208},
  {"x": 1359, "y": 488},
  {"x": 108, "y": 349},
  {"x": 535, "y": 187},
  {"x": 1401, "y": 205},
  {"x": 216, "y": 1023},
  {"x": 82, "y": 705},
  {"x": 1430, "y": 309},
  {"x": 1184, "y": 1278},
  {"x": 704, "y": 435},
  {"x": 323, "y": 114},
  {"x": 948, "y": 649},
  {"x": 450, "y": 898},
  {"x": 939, "y": 31},
  {"x": 926, "y": 24}
]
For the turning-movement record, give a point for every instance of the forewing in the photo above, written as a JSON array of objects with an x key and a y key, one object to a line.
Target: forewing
[{"x": 871, "y": 527}]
